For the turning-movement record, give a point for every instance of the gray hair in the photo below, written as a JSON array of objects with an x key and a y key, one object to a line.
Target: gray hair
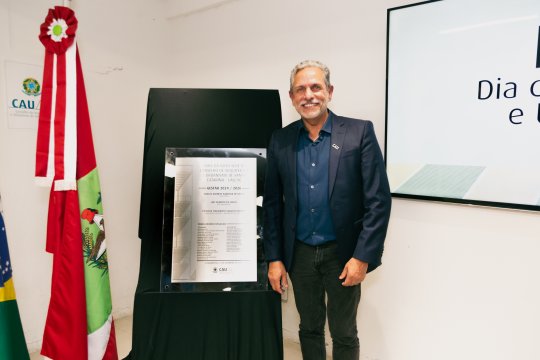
[{"x": 311, "y": 63}]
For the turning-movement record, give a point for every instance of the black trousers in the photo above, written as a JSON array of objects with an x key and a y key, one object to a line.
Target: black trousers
[{"x": 315, "y": 273}]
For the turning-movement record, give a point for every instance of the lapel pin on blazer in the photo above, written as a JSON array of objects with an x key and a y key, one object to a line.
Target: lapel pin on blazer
[{"x": 335, "y": 146}]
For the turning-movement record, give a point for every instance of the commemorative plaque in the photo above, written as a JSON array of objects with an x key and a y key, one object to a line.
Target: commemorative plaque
[{"x": 212, "y": 220}]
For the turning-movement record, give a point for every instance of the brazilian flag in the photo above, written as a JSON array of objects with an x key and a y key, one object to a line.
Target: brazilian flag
[{"x": 12, "y": 343}]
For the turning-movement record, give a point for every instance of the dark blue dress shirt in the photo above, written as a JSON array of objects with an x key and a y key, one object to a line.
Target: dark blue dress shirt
[{"x": 314, "y": 223}]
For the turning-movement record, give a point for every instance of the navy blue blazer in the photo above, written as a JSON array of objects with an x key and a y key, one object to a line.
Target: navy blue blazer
[{"x": 359, "y": 193}]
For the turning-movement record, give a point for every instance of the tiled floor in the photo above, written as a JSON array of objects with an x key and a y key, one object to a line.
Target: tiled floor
[{"x": 123, "y": 338}]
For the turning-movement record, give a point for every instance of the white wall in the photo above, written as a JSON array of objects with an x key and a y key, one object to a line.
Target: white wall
[{"x": 457, "y": 282}]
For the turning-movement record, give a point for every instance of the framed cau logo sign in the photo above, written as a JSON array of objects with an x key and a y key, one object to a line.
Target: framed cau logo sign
[{"x": 23, "y": 91}]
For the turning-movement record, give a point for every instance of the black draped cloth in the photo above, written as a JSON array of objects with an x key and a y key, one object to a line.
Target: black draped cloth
[{"x": 213, "y": 325}]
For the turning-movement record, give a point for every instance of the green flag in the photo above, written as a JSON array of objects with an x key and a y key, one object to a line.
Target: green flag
[{"x": 12, "y": 343}]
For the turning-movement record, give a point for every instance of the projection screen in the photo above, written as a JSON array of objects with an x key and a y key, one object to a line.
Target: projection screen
[{"x": 463, "y": 102}]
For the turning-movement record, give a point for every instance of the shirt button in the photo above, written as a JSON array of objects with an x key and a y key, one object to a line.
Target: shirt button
[
  {"x": 312, "y": 164},
  {"x": 312, "y": 186},
  {"x": 312, "y": 210},
  {"x": 314, "y": 233}
]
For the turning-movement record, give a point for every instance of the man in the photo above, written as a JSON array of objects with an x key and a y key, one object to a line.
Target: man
[{"x": 327, "y": 205}]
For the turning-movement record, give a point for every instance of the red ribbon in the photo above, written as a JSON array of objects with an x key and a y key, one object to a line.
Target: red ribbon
[{"x": 54, "y": 50}]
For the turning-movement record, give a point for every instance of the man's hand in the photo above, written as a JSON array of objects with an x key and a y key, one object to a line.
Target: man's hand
[
  {"x": 277, "y": 276},
  {"x": 354, "y": 272}
]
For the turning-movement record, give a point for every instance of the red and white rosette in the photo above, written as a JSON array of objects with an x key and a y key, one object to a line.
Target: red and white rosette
[{"x": 56, "y": 150}]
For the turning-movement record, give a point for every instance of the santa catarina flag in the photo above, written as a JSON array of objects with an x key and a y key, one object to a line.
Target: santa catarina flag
[
  {"x": 79, "y": 322},
  {"x": 12, "y": 343}
]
